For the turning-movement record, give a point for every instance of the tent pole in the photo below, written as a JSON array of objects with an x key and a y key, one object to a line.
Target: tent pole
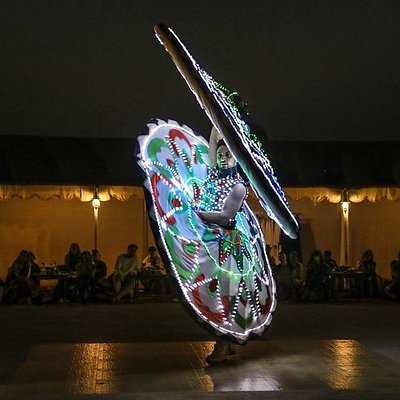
[
  {"x": 96, "y": 223},
  {"x": 96, "y": 205},
  {"x": 345, "y": 230}
]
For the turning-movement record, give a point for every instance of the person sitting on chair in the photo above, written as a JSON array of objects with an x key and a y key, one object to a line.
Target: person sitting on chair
[
  {"x": 125, "y": 272},
  {"x": 152, "y": 265}
]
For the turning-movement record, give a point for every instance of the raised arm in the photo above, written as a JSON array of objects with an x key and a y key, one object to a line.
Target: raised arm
[{"x": 215, "y": 137}]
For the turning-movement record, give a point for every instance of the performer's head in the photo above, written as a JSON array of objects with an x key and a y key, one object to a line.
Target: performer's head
[{"x": 225, "y": 159}]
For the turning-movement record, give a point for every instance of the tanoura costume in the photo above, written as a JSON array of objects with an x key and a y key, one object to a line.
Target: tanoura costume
[{"x": 222, "y": 270}]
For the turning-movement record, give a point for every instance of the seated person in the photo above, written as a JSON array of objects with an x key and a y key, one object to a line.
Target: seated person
[
  {"x": 19, "y": 285},
  {"x": 317, "y": 284},
  {"x": 297, "y": 269},
  {"x": 68, "y": 288},
  {"x": 84, "y": 276},
  {"x": 124, "y": 275},
  {"x": 72, "y": 258},
  {"x": 100, "y": 267},
  {"x": 35, "y": 278},
  {"x": 371, "y": 283},
  {"x": 284, "y": 278},
  {"x": 153, "y": 262},
  {"x": 394, "y": 263},
  {"x": 392, "y": 290},
  {"x": 152, "y": 265},
  {"x": 99, "y": 283},
  {"x": 329, "y": 260}
]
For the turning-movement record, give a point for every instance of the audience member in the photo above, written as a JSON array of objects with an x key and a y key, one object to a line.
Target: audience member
[
  {"x": 101, "y": 289},
  {"x": 73, "y": 257},
  {"x": 371, "y": 283},
  {"x": 123, "y": 277},
  {"x": 328, "y": 259},
  {"x": 394, "y": 263},
  {"x": 318, "y": 286},
  {"x": 284, "y": 278},
  {"x": 392, "y": 290},
  {"x": 68, "y": 290},
  {"x": 152, "y": 266},
  {"x": 85, "y": 271},
  {"x": 152, "y": 262},
  {"x": 100, "y": 267},
  {"x": 19, "y": 286},
  {"x": 297, "y": 269},
  {"x": 34, "y": 278}
]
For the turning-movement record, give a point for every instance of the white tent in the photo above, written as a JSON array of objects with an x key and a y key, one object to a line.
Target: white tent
[{"x": 46, "y": 219}]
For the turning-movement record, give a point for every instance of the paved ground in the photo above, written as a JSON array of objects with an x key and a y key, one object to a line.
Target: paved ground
[{"x": 151, "y": 350}]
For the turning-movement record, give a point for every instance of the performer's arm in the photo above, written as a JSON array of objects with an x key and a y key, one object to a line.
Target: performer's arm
[
  {"x": 215, "y": 137},
  {"x": 232, "y": 205}
]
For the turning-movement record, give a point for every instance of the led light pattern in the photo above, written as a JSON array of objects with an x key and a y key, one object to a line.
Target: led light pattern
[
  {"x": 223, "y": 273},
  {"x": 249, "y": 139},
  {"x": 235, "y": 115}
]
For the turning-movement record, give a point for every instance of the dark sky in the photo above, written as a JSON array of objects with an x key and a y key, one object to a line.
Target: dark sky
[{"x": 310, "y": 70}]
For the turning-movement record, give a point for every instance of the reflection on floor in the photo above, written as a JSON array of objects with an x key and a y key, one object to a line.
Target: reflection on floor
[{"x": 102, "y": 368}]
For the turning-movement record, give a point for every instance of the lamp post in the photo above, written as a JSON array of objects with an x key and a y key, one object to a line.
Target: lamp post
[
  {"x": 345, "y": 236},
  {"x": 96, "y": 205}
]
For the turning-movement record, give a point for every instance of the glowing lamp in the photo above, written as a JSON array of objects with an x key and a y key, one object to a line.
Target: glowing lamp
[
  {"x": 345, "y": 206},
  {"x": 96, "y": 202}
]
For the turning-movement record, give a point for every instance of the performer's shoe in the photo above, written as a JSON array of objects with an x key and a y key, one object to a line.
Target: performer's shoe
[{"x": 220, "y": 353}]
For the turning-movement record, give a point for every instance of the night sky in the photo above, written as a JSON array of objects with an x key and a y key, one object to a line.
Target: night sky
[{"x": 310, "y": 70}]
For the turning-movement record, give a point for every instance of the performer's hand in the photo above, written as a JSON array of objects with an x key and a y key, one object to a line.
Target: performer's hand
[
  {"x": 215, "y": 137},
  {"x": 216, "y": 134},
  {"x": 199, "y": 214}
]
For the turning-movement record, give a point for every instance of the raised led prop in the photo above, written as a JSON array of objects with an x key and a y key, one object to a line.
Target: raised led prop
[{"x": 238, "y": 136}]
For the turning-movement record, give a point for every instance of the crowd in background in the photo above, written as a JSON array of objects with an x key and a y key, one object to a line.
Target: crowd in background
[
  {"x": 85, "y": 277},
  {"x": 82, "y": 277},
  {"x": 317, "y": 281}
]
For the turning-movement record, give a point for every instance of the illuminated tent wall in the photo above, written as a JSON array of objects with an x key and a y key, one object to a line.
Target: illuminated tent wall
[
  {"x": 46, "y": 219},
  {"x": 46, "y": 188},
  {"x": 47, "y": 184},
  {"x": 373, "y": 223}
]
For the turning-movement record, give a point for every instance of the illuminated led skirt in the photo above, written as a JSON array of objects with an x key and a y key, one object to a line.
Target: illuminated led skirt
[{"x": 224, "y": 275}]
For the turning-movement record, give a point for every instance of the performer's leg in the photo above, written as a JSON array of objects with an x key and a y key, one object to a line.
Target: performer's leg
[
  {"x": 127, "y": 290},
  {"x": 222, "y": 349},
  {"x": 117, "y": 282}
]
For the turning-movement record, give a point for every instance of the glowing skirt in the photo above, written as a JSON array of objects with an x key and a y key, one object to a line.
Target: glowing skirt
[{"x": 223, "y": 274}]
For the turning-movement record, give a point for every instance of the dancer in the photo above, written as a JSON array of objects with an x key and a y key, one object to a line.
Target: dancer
[
  {"x": 213, "y": 242},
  {"x": 208, "y": 237},
  {"x": 224, "y": 206}
]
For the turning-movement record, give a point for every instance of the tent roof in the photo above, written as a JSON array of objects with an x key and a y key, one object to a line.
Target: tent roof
[{"x": 103, "y": 161}]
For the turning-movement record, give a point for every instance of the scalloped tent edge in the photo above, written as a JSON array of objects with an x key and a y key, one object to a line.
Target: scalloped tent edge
[
  {"x": 123, "y": 193},
  {"x": 83, "y": 193}
]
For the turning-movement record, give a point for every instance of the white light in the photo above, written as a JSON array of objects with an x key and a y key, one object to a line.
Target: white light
[
  {"x": 345, "y": 206},
  {"x": 96, "y": 202}
]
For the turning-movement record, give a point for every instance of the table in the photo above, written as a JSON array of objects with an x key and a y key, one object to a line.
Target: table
[
  {"x": 160, "y": 280},
  {"x": 346, "y": 282},
  {"x": 62, "y": 279}
]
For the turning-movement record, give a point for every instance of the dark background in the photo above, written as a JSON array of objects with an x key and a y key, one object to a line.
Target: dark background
[{"x": 310, "y": 70}]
